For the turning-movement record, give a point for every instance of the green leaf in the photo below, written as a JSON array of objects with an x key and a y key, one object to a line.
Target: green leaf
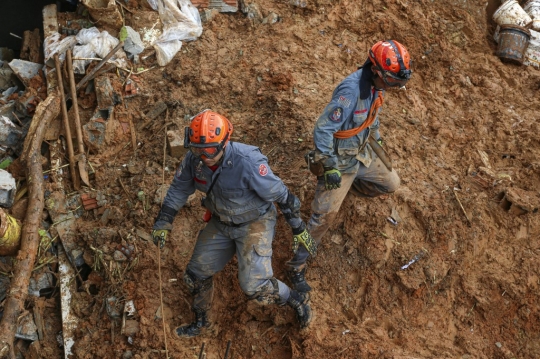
[{"x": 123, "y": 34}]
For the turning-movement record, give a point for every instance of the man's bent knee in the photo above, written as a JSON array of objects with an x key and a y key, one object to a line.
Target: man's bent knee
[
  {"x": 196, "y": 285},
  {"x": 265, "y": 294},
  {"x": 393, "y": 182}
]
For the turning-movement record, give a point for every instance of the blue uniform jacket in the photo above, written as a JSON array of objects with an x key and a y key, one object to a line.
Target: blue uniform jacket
[
  {"x": 348, "y": 109},
  {"x": 244, "y": 190}
]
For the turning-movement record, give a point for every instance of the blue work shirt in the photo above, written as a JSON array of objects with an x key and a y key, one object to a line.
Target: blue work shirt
[
  {"x": 347, "y": 109},
  {"x": 245, "y": 189}
]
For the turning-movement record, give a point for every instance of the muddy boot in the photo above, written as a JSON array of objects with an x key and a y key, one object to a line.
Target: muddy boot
[
  {"x": 300, "y": 303},
  {"x": 298, "y": 279},
  {"x": 194, "y": 329}
]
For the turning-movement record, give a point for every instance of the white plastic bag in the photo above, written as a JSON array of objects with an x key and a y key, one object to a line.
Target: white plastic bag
[
  {"x": 182, "y": 22},
  {"x": 153, "y": 4},
  {"x": 82, "y": 51},
  {"x": 165, "y": 51},
  {"x": 86, "y": 35},
  {"x": 104, "y": 43},
  {"x": 53, "y": 45}
]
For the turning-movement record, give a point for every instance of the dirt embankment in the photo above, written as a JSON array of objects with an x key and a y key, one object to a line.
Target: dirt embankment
[{"x": 463, "y": 138}]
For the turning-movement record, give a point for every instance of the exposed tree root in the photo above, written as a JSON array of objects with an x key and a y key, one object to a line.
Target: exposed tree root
[{"x": 14, "y": 304}]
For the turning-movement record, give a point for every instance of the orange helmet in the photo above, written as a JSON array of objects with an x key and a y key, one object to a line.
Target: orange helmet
[
  {"x": 392, "y": 62},
  {"x": 208, "y": 134}
]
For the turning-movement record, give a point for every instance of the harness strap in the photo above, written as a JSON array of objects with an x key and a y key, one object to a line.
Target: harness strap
[{"x": 375, "y": 105}]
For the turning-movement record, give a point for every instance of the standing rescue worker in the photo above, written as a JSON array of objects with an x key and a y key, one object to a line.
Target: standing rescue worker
[
  {"x": 346, "y": 136},
  {"x": 240, "y": 190}
]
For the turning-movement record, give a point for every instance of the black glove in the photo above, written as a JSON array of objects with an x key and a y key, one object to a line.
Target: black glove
[
  {"x": 159, "y": 236},
  {"x": 332, "y": 178}
]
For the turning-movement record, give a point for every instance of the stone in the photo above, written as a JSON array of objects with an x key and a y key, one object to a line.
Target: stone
[
  {"x": 176, "y": 144},
  {"x": 133, "y": 43}
]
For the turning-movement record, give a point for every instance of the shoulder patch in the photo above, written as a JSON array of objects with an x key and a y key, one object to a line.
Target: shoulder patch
[
  {"x": 336, "y": 114},
  {"x": 344, "y": 101},
  {"x": 263, "y": 170}
]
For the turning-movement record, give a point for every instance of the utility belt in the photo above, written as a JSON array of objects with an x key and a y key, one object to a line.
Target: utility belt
[
  {"x": 208, "y": 215},
  {"x": 316, "y": 167}
]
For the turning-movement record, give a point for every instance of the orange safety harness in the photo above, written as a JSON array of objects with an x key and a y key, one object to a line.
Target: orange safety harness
[{"x": 369, "y": 120}]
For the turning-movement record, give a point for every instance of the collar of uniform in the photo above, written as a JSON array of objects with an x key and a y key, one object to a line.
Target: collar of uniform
[
  {"x": 227, "y": 156},
  {"x": 366, "y": 80}
]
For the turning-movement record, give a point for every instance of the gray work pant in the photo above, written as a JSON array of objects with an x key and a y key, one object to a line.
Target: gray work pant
[
  {"x": 371, "y": 181},
  {"x": 252, "y": 243}
]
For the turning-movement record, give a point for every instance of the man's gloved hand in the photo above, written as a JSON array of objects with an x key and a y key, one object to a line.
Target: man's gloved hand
[
  {"x": 306, "y": 240},
  {"x": 332, "y": 178},
  {"x": 380, "y": 141},
  {"x": 159, "y": 236}
]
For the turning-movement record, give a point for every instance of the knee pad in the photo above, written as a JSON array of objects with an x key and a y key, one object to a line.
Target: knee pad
[
  {"x": 196, "y": 285},
  {"x": 267, "y": 294}
]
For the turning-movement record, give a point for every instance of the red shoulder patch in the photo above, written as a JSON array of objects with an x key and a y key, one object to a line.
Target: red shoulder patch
[{"x": 263, "y": 170}]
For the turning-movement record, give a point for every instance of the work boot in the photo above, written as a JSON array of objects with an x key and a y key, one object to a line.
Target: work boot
[
  {"x": 300, "y": 303},
  {"x": 194, "y": 329},
  {"x": 298, "y": 279}
]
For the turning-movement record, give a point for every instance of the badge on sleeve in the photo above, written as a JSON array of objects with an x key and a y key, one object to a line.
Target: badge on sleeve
[
  {"x": 335, "y": 115},
  {"x": 263, "y": 170}
]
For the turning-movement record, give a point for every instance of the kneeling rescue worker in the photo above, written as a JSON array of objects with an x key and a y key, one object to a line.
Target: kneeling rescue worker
[
  {"x": 348, "y": 155},
  {"x": 240, "y": 190}
]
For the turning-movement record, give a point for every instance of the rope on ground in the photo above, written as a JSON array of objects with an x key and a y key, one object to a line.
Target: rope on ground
[{"x": 158, "y": 247}]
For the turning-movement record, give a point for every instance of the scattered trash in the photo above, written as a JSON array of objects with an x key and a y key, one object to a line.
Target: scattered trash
[
  {"x": 111, "y": 304},
  {"x": 511, "y": 13},
  {"x": 415, "y": 259},
  {"x": 127, "y": 250},
  {"x": 181, "y": 24},
  {"x": 88, "y": 202},
  {"x": 8, "y": 188},
  {"x": 513, "y": 41},
  {"x": 133, "y": 43},
  {"x": 532, "y": 7},
  {"x": 219, "y": 5},
  {"x": 104, "y": 11},
  {"x": 394, "y": 218},
  {"x": 532, "y": 54},
  {"x": 26, "y": 328},
  {"x": 25, "y": 70}
]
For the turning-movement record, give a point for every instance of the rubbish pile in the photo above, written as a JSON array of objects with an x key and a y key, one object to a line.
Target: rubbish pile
[
  {"x": 84, "y": 83},
  {"x": 518, "y": 32}
]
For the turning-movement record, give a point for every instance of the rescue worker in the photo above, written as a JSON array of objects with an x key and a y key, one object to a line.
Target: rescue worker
[
  {"x": 344, "y": 152},
  {"x": 240, "y": 190}
]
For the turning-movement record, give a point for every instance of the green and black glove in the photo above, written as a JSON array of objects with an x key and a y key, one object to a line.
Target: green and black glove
[
  {"x": 380, "y": 141},
  {"x": 159, "y": 236},
  {"x": 305, "y": 239},
  {"x": 332, "y": 178}
]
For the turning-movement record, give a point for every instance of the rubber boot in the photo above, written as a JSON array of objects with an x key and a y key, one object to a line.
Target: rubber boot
[
  {"x": 300, "y": 303},
  {"x": 194, "y": 329},
  {"x": 298, "y": 279}
]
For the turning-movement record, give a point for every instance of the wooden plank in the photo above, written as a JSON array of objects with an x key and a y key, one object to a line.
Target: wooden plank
[
  {"x": 221, "y": 5},
  {"x": 67, "y": 287},
  {"x": 50, "y": 20}
]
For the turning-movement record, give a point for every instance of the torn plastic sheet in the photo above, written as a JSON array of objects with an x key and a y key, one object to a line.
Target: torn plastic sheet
[{"x": 182, "y": 22}]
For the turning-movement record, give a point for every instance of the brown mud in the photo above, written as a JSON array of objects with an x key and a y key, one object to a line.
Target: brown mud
[{"x": 463, "y": 137}]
